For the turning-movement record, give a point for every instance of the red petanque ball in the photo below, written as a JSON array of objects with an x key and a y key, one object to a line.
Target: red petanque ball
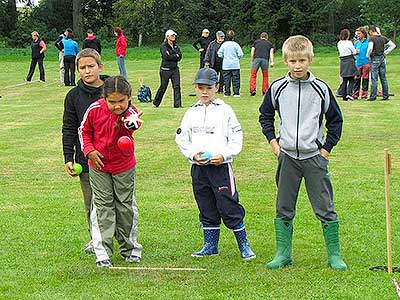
[{"x": 124, "y": 143}]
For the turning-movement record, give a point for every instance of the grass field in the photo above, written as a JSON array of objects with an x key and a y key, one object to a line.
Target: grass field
[{"x": 42, "y": 221}]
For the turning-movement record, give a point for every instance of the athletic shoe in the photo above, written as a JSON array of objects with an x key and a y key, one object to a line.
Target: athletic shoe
[
  {"x": 132, "y": 259},
  {"x": 226, "y": 95},
  {"x": 371, "y": 99},
  {"x": 89, "y": 249},
  {"x": 104, "y": 263},
  {"x": 236, "y": 95},
  {"x": 349, "y": 98},
  {"x": 385, "y": 99},
  {"x": 253, "y": 93}
]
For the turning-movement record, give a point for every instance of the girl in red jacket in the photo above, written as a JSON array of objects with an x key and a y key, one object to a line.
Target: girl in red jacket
[
  {"x": 106, "y": 138},
  {"x": 120, "y": 50}
]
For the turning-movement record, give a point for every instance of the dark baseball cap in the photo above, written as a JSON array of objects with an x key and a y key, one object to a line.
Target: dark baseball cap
[{"x": 206, "y": 76}]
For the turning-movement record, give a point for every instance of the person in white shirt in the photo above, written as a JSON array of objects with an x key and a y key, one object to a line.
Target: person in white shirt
[
  {"x": 210, "y": 136},
  {"x": 348, "y": 68}
]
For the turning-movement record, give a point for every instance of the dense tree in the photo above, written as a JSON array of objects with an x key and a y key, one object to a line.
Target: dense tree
[{"x": 386, "y": 14}]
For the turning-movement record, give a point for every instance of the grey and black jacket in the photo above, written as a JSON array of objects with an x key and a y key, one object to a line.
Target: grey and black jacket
[{"x": 301, "y": 106}]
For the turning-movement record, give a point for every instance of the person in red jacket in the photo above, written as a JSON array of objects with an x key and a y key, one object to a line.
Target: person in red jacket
[
  {"x": 120, "y": 50},
  {"x": 106, "y": 139}
]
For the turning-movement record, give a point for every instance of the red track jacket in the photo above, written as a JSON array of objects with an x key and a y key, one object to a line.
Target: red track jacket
[{"x": 100, "y": 130}]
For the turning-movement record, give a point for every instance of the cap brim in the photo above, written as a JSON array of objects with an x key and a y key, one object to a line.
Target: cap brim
[{"x": 204, "y": 81}]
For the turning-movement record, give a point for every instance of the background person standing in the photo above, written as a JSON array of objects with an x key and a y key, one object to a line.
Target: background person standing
[
  {"x": 91, "y": 41},
  {"x": 203, "y": 41},
  {"x": 377, "y": 53},
  {"x": 38, "y": 48},
  {"x": 120, "y": 50},
  {"x": 169, "y": 70},
  {"x": 212, "y": 59},
  {"x": 70, "y": 52},
  {"x": 231, "y": 53},
  {"x": 262, "y": 53},
  {"x": 59, "y": 45}
]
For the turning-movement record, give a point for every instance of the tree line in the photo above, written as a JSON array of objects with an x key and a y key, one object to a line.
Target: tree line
[{"x": 147, "y": 20}]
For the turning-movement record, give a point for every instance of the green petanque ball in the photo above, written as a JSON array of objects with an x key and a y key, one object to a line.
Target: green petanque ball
[{"x": 78, "y": 168}]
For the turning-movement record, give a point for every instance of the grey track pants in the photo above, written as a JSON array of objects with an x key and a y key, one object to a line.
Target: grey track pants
[
  {"x": 114, "y": 213},
  {"x": 289, "y": 175}
]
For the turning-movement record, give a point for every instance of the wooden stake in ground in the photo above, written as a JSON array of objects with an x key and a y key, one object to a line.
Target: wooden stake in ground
[{"x": 388, "y": 218}]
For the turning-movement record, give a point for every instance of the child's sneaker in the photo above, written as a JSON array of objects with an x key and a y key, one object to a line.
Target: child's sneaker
[
  {"x": 104, "y": 264},
  {"x": 132, "y": 259}
]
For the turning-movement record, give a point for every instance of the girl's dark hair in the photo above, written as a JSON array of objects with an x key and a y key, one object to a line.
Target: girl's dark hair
[
  {"x": 118, "y": 30},
  {"x": 116, "y": 84},
  {"x": 344, "y": 34},
  {"x": 230, "y": 35}
]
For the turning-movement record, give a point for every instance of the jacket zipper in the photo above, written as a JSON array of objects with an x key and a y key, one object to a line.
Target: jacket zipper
[{"x": 298, "y": 122}]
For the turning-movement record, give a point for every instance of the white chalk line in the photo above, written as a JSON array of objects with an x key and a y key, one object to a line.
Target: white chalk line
[{"x": 157, "y": 269}]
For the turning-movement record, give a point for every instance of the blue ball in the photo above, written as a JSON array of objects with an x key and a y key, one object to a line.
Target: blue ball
[{"x": 206, "y": 154}]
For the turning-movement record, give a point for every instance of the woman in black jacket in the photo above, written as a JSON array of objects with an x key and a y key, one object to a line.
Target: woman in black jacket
[{"x": 171, "y": 55}]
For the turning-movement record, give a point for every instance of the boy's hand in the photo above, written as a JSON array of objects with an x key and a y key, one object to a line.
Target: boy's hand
[
  {"x": 217, "y": 160},
  {"x": 202, "y": 161},
  {"x": 271, "y": 64},
  {"x": 69, "y": 167},
  {"x": 324, "y": 153},
  {"x": 95, "y": 157},
  {"x": 275, "y": 147}
]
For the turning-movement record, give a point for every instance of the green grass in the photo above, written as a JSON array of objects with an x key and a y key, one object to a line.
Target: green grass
[{"x": 42, "y": 216}]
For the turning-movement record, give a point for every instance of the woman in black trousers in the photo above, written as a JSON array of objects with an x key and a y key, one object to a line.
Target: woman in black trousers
[{"x": 171, "y": 55}]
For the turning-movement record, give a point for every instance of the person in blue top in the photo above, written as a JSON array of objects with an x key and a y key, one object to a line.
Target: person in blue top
[
  {"x": 362, "y": 64},
  {"x": 70, "y": 52},
  {"x": 231, "y": 53}
]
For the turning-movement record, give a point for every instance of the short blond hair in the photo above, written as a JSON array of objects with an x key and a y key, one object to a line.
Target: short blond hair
[
  {"x": 297, "y": 44},
  {"x": 88, "y": 52}
]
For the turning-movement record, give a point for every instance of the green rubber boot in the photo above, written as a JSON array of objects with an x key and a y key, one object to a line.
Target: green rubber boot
[
  {"x": 331, "y": 235},
  {"x": 284, "y": 234}
]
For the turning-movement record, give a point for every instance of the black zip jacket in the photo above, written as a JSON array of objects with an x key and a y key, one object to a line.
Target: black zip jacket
[
  {"x": 75, "y": 105},
  {"x": 170, "y": 56}
]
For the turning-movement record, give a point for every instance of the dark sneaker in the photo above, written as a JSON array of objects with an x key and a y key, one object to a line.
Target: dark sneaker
[
  {"x": 371, "y": 99},
  {"x": 253, "y": 93},
  {"x": 385, "y": 99},
  {"x": 104, "y": 264},
  {"x": 132, "y": 259},
  {"x": 89, "y": 249}
]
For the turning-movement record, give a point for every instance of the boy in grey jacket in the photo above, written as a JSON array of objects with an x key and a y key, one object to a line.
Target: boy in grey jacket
[{"x": 302, "y": 102}]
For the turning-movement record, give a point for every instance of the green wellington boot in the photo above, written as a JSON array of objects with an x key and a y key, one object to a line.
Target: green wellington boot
[
  {"x": 284, "y": 234},
  {"x": 331, "y": 235}
]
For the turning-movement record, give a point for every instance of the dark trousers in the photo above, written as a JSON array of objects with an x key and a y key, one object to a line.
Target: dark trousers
[
  {"x": 218, "y": 68},
  {"x": 234, "y": 77},
  {"x": 215, "y": 192},
  {"x": 202, "y": 56},
  {"x": 35, "y": 61},
  {"x": 69, "y": 67},
  {"x": 289, "y": 175},
  {"x": 165, "y": 76},
  {"x": 347, "y": 87}
]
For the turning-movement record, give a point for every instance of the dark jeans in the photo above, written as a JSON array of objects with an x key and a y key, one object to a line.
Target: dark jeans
[
  {"x": 69, "y": 67},
  {"x": 35, "y": 61},
  {"x": 202, "y": 56},
  {"x": 378, "y": 68},
  {"x": 234, "y": 77},
  {"x": 165, "y": 76}
]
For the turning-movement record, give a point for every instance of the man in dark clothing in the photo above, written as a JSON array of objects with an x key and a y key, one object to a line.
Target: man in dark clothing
[
  {"x": 203, "y": 41},
  {"x": 213, "y": 61},
  {"x": 91, "y": 41},
  {"x": 60, "y": 46},
  {"x": 171, "y": 55}
]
